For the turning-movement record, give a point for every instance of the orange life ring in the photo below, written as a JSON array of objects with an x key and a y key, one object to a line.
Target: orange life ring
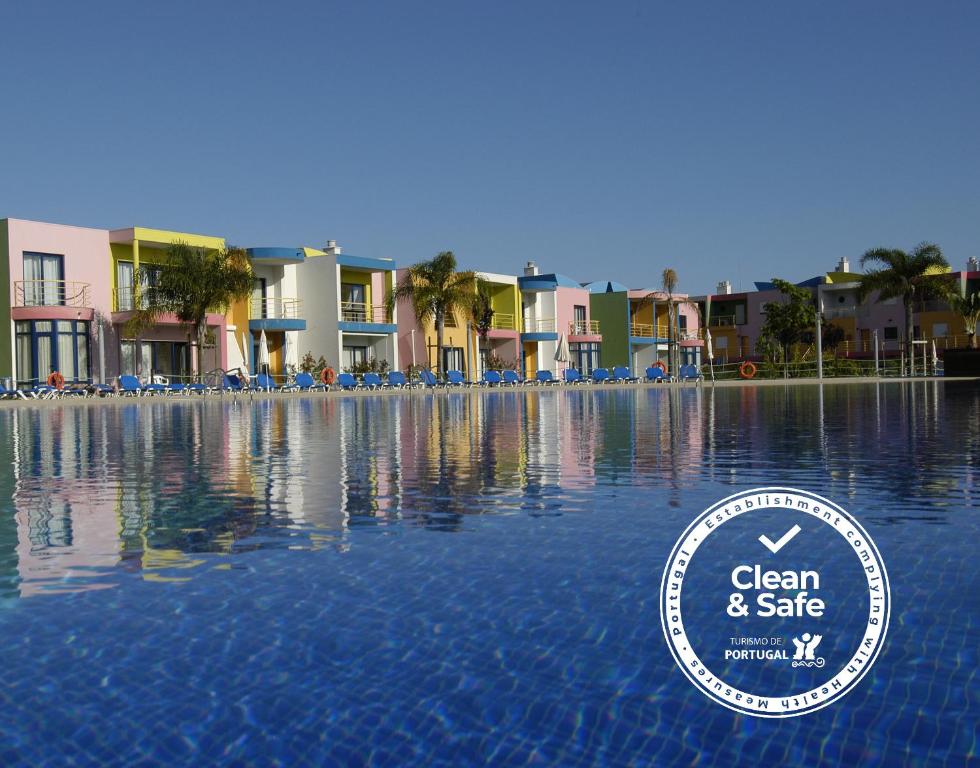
[
  {"x": 56, "y": 380},
  {"x": 747, "y": 369},
  {"x": 328, "y": 376},
  {"x": 661, "y": 365}
]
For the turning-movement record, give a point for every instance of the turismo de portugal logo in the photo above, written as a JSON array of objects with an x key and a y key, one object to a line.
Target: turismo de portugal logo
[{"x": 775, "y": 602}]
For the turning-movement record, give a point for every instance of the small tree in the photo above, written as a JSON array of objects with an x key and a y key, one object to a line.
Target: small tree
[
  {"x": 786, "y": 321},
  {"x": 968, "y": 307},
  {"x": 191, "y": 283}
]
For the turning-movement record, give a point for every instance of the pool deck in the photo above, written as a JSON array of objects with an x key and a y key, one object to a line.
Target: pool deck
[{"x": 445, "y": 391}]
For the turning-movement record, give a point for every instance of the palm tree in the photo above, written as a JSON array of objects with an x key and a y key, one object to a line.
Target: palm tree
[
  {"x": 968, "y": 307},
  {"x": 436, "y": 290},
  {"x": 911, "y": 276},
  {"x": 668, "y": 284},
  {"x": 193, "y": 282}
]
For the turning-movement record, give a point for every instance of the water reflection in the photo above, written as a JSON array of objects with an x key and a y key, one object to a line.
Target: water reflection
[{"x": 151, "y": 488}]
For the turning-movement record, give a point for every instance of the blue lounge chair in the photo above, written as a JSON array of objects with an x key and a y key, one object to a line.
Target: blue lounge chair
[
  {"x": 263, "y": 382},
  {"x": 600, "y": 376},
  {"x": 231, "y": 383},
  {"x": 572, "y": 376},
  {"x": 511, "y": 379},
  {"x": 129, "y": 386},
  {"x": 197, "y": 388},
  {"x": 622, "y": 373},
  {"x": 429, "y": 379},
  {"x": 347, "y": 381},
  {"x": 654, "y": 374},
  {"x": 372, "y": 381},
  {"x": 492, "y": 378},
  {"x": 101, "y": 390},
  {"x": 306, "y": 383},
  {"x": 11, "y": 394},
  {"x": 544, "y": 377},
  {"x": 689, "y": 373},
  {"x": 176, "y": 388},
  {"x": 397, "y": 380},
  {"x": 456, "y": 379}
]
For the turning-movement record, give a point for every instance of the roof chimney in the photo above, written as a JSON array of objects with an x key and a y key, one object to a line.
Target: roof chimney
[
  {"x": 843, "y": 265},
  {"x": 724, "y": 288},
  {"x": 332, "y": 248},
  {"x": 972, "y": 265},
  {"x": 531, "y": 269}
]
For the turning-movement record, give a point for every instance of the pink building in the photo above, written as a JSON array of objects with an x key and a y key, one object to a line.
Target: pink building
[
  {"x": 72, "y": 292},
  {"x": 556, "y": 306}
]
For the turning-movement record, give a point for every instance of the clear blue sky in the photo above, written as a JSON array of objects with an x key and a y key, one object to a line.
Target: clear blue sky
[{"x": 603, "y": 140}]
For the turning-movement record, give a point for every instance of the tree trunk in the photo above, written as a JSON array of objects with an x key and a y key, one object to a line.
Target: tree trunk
[
  {"x": 440, "y": 329},
  {"x": 909, "y": 331},
  {"x": 197, "y": 361}
]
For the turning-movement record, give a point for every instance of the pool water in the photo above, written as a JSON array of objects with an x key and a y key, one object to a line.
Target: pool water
[{"x": 459, "y": 579}]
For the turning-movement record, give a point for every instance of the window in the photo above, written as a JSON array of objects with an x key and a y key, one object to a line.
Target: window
[
  {"x": 682, "y": 322},
  {"x": 719, "y": 342},
  {"x": 739, "y": 314},
  {"x": 43, "y": 280},
  {"x": 354, "y": 356},
  {"x": 127, "y": 357},
  {"x": 149, "y": 279},
  {"x": 891, "y": 333},
  {"x": 585, "y": 356},
  {"x": 453, "y": 359},
  {"x": 46, "y": 345},
  {"x": 353, "y": 306},
  {"x": 124, "y": 286},
  {"x": 258, "y": 298},
  {"x": 580, "y": 324},
  {"x": 939, "y": 330}
]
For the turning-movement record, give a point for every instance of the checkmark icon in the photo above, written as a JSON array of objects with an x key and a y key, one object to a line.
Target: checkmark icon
[{"x": 775, "y": 546}]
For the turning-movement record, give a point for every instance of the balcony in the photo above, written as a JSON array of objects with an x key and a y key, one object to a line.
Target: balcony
[
  {"x": 126, "y": 298},
  {"x": 648, "y": 331},
  {"x": 51, "y": 293},
  {"x": 276, "y": 309},
  {"x": 356, "y": 312},
  {"x": 357, "y": 317},
  {"x": 540, "y": 325},
  {"x": 51, "y": 300},
  {"x": 276, "y": 314},
  {"x": 583, "y": 328},
  {"x": 503, "y": 321}
]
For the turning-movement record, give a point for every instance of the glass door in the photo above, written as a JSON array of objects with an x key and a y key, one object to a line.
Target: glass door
[
  {"x": 43, "y": 280},
  {"x": 258, "y": 298}
]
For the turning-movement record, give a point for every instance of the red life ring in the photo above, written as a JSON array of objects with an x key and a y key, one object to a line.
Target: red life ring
[
  {"x": 56, "y": 380},
  {"x": 661, "y": 365},
  {"x": 328, "y": 376},
  {"x": 747, "y": 369}
]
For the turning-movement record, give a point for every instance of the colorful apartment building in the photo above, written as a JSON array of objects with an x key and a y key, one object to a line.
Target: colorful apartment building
[
  {"x": 344, "y": 300},
  {"x": 556, "y": 306},
  {"x": 463, "y": 347},
  {"x": 736, "y": 319},
  {"x": 636, "y": 326},
  {"x": 73, "y": 291}
]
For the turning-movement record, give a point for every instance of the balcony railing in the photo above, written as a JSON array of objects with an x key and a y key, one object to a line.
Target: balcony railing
[
  {"x": 648, "y": 331},
  {"x": 583, "y": 328},
  {"x": 690, "y": 334},
  {"x": 722, "y": 321},
  {"x": 51, "y": 293},
  {"x": 839, "y": 312},
  {"x": 126, "y": 297},
  {"x": 276, "y": 309},
  {"x": 540, "y": 325},
  {"x": 356, "y": 312},
  {"x": 503, "y": 321}
]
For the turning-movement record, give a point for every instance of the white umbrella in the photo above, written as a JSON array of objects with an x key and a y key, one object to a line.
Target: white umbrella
[
  {"x": 263, "y": 364},
  {"x": 935, "y": 357},
  {"x": 711, "y": 351},
  {"x": 285, "y": 349},
  {"x": 245, "y": 351},
  {"x": 562, "y": 353}
]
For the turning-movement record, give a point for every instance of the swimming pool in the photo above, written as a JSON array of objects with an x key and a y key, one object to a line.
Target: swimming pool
[{"x": 459, "y": 579}]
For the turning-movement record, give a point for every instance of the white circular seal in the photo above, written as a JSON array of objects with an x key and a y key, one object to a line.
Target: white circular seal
[{"x": 854, "y": 537}]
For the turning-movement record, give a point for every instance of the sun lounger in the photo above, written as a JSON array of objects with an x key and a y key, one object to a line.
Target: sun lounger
[
  {"x": 511, "y": 378},
  {"x": 572, "y": 376},
  {"x": 492, "y": 379},
  {"x": 600, "y": 376}
]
